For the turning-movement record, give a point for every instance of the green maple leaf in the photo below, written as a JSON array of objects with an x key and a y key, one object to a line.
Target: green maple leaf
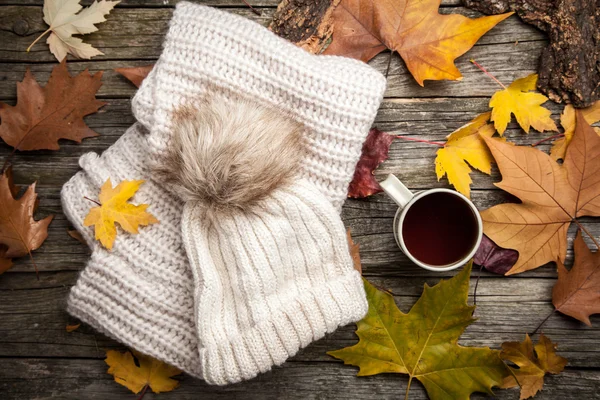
[{"x": 423, "y": 343}]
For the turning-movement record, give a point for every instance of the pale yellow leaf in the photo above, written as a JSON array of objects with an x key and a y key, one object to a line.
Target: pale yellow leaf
[
  {"x": 526, "y": 106},
  {"x": 154, "y": 373},
  {"x": 567, "y": 120},
  {"x": 114, "y": 208}
]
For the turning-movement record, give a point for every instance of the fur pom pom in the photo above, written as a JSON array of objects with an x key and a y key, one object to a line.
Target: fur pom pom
[{"x": 230, "y": 153}]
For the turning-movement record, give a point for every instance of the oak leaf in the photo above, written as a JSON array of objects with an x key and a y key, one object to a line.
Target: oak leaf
[
  {"x": 533, "y": 362},
  {"x": 354, "y": 252},
  {"x": 135, "y": 75},
  {"x": 494, "y": 258},
  {"x": 577, "y": 291},
  {"x": 66, "y": 19},
  {"x": 374, "y": 151},
  {"x": 151, "y": 372},
  {"x": 427, "y": 41},
  {"x": 552, "y": 197},
  {"x": 423, "y": 343},
  {"x": 567, "y": 120},
  {"x": 518, "y": 99},
  {"x": 465, "y": 147},
  {"x": 114, "y": 208},
  {"x": 42, "y": 116},
  {"x": 20, "y": 233}
]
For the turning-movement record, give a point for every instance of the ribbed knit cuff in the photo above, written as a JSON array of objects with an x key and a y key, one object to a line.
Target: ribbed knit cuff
[{"x": 306, "y": 318}]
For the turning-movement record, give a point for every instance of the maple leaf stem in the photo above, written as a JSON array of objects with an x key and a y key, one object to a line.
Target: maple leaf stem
[
  {"x": 485, "y": 71},
  {"x": 589, "y": 234},
  {"x": 547, "y": 139},
  {"x": 143, "y": 392},
  {"x": 408, "y": 388},
  {"x": 477, "y": 284},
  {"x": 254, "y": 10},
  {"x": 92, "y": 200},
  {"x": 38, "y": 38},
  {"x": 421, "y": 140},
  {"x": 542, "y": 323}
]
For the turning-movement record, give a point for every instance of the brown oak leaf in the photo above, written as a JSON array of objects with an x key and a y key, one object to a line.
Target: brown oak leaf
[
  {"x": 533, "y": 362},
  {"x": 135, "y": 75},
  {"x": 577, "y": 291},
  {"x": 427, "y": 41},
  {"x": 552, "y": 197},
  {"x": 19, "y": 232},
  {"x": 43, "y": 115},
  {"x": 374, "y": 152}
]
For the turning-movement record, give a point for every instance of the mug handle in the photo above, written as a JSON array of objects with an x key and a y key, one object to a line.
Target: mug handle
[{"x": 396, "y": 190}]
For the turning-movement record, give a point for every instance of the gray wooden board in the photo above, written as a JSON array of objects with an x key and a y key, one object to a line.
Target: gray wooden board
[{"x": 39, "y": 359}]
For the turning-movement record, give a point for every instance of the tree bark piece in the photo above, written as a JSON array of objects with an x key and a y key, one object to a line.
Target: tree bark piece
[
  {"x": 569, "y": 67},
  {"x": 307, "y": 23}
]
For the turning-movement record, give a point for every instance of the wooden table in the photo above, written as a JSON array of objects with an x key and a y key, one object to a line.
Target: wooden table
[{"x": 39, "y": 359}]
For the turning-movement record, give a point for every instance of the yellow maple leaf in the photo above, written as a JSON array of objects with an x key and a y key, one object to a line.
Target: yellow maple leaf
[
  {"x": 151, "y": 372},
  {"x": 115, "y": 208},
  {"x": 526, "y": 106},
  {"x": 567, "y": 120},
  {"x": 463, "y": 146}
]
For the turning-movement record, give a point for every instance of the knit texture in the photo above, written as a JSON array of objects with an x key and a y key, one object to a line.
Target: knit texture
[
  {"x": 144, "y": 292},
  {"x": 335, "y": 97}
]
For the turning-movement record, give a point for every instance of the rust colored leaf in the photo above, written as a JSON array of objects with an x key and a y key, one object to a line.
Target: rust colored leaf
[
  {"x": 427, "y": 41},
  {"x": 76, "y": 235},
  {"x": 494, "y": 258},
  {"x": 5, "y": 263},
  {"x": 19, "y": 232},
  {"x": 577, "y": 291},
  {"x": 374, "y": 152},
  {"x": 552, "y": 197},
  {"x": 354, "y": 252},
  {"x": 135, "y": 74},
  {"x": 43, "y": 115},
  {"x": 71, "y": 328}
]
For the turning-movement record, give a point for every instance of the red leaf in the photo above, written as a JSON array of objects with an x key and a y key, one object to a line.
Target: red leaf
[
  {"x": 374, "y": 152},
  {"x": 495, "y": 258},
  {"x": 135, "y": 74}
]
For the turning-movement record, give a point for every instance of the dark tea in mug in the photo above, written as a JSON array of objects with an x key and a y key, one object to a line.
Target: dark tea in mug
[{"x": 440, "y": 229}]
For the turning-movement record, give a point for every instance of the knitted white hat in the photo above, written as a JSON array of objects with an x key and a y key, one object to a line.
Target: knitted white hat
[{"x": 142, "y": 292}]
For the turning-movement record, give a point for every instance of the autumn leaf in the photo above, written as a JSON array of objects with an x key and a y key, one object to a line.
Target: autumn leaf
[
  {"x": 135, "y": 75},
  {"x": 493, "y": 257},
  {"x": 151, "y": 372},
  {"x": 42, "y": 116},
  {"x": 552, "y": 197},
  {"x": 427, "y": 41},
  {"x": 76, "y": 235},
  {"x": 533, "y": 362},
  {"x": 5, "y": 263},
  {"x": 518, "y": 99},
  {"x": 20, "y": 233},
  {"x": 423, "y": 343},
  {"x": 465, "y": 145},
  {"x": 354, "y": 252},
  {"x": 114, "y": 208},
  {"x": 65, "y": 20},
  {"x": 71, "y": 328},
  {"x": 577, "y": 291},
  {"x": 374, "y": 151},
  {"x": 567, "y": 120}
]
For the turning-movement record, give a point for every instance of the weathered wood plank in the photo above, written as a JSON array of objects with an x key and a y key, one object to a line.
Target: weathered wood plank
[
  {"x": 76, "y": 379},
  {"x": 172, "y": 3}
]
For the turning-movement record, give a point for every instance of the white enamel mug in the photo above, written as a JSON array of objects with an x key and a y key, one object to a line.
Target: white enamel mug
[{"x": 405, "y": 199}]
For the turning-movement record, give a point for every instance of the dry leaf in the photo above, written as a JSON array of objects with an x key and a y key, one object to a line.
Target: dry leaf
[
  {"x": 151, "y": 372},
  {"x": 136, "y": 75},
  {"x": 518, "y": 99},
  {"x": 465, "y": 145},
  {"x": 19, "y": 232},
  {"x": 374, "y": 151},
  {"x": 42, "y": 116},
  {"x": 423, "y": 343},
  {"x": 71, "y": 328},
  {"x": 114, "y": 208},
  {"x": 5, "y": 263},
  {"x": 533, "y": 363},
  {"x": 76, "y": 235},
  {"x": 427, "y": 41},
  {"x": 577, "y": 291},
  {"x": 354, "y": 252},
  {"x": 552, "y": 197},
  {"x": 567, "y": 120},
  {"x": 494, "y": 258},
  {"x": 65, "y": 19}
]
